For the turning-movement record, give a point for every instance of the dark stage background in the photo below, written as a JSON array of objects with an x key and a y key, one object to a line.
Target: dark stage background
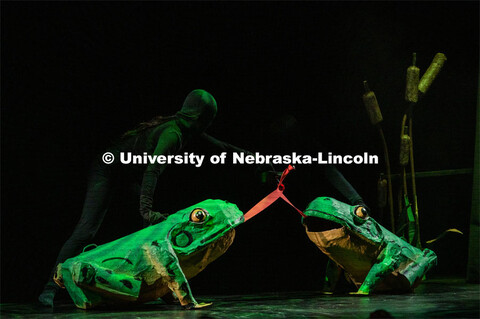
[{"x": 77, "y": 75}]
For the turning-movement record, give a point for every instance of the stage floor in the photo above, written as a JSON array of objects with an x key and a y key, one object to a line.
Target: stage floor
[{"x": 450, "y": 298}]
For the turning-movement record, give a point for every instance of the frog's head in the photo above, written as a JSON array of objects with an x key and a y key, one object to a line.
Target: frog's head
[
  {"x": 325, "y": 213},
  {"x": 199, "y": 225}
]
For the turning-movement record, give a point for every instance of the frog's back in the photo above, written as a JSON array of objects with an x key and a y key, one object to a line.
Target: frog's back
[{"x": 123, "y": 255}]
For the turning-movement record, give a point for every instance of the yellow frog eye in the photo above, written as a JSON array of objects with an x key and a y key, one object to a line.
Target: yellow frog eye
[
  {"x": 198, "y": 215},
  {"x": 361, "y": 212}
]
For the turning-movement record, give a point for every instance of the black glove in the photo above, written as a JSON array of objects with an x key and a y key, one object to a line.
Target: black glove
[
  {"x": 152, "y": 218},
  {"x": 270, "y": 177}
]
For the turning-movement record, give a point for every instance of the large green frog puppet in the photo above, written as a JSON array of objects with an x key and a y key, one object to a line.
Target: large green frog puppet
[
  {"x": 373, "y": 258},
  {"x": 155, "y": 262}
]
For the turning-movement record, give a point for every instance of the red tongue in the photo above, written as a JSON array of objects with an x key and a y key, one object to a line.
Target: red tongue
[{"x": 272, "y": 197}]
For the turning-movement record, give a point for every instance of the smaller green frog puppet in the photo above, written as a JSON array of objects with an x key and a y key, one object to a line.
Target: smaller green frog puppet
[
  {"x": 155, "y": 262},
  {"x": 373, "y": 258}
]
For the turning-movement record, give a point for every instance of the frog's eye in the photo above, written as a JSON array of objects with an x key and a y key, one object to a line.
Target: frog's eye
[
  {"x": 198, "y": 215},
  {"x": 361, "y": 212}
]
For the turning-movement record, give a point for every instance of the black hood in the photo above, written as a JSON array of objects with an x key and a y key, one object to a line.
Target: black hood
[{"x": 198, "y": 111}]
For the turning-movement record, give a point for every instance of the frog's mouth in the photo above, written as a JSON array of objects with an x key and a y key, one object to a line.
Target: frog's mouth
[
  {"x": 223, "y": 231},
  {"x": 213, "y": 237},
  {"x": 316, "y": 224}
]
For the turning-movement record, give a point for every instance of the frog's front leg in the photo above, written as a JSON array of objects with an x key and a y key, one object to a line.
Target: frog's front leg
[
  {"x": 386, "y": 263},
  {"x": 164, "y": 260}
]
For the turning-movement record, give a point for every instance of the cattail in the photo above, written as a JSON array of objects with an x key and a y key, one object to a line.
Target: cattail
[
  {"x": 413, "y": 76},
  {"x": 404, "y": 148},
  {"x": 371, "y": 105},
  {"x": 431, "y": 73}
]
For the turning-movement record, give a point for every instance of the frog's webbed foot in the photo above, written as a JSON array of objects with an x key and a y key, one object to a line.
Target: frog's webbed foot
[{"x": 193, "y": 306}]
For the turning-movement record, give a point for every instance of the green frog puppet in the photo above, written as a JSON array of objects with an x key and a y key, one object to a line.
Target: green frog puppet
[
  {"x": 373, "y": 258},
  {"x": 155, "y": 262}
]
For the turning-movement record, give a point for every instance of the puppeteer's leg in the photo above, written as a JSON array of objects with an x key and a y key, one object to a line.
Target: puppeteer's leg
[{"x": 94, "y": 209}]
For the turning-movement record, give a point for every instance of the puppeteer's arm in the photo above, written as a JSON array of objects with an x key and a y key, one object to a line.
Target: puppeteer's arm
[
  {"x": 342, "y": 185},
  {"x": 168, "y": 143}
]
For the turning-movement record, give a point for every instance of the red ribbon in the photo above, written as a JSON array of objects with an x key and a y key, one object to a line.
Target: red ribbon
[{"x": 272, "y": 197}]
